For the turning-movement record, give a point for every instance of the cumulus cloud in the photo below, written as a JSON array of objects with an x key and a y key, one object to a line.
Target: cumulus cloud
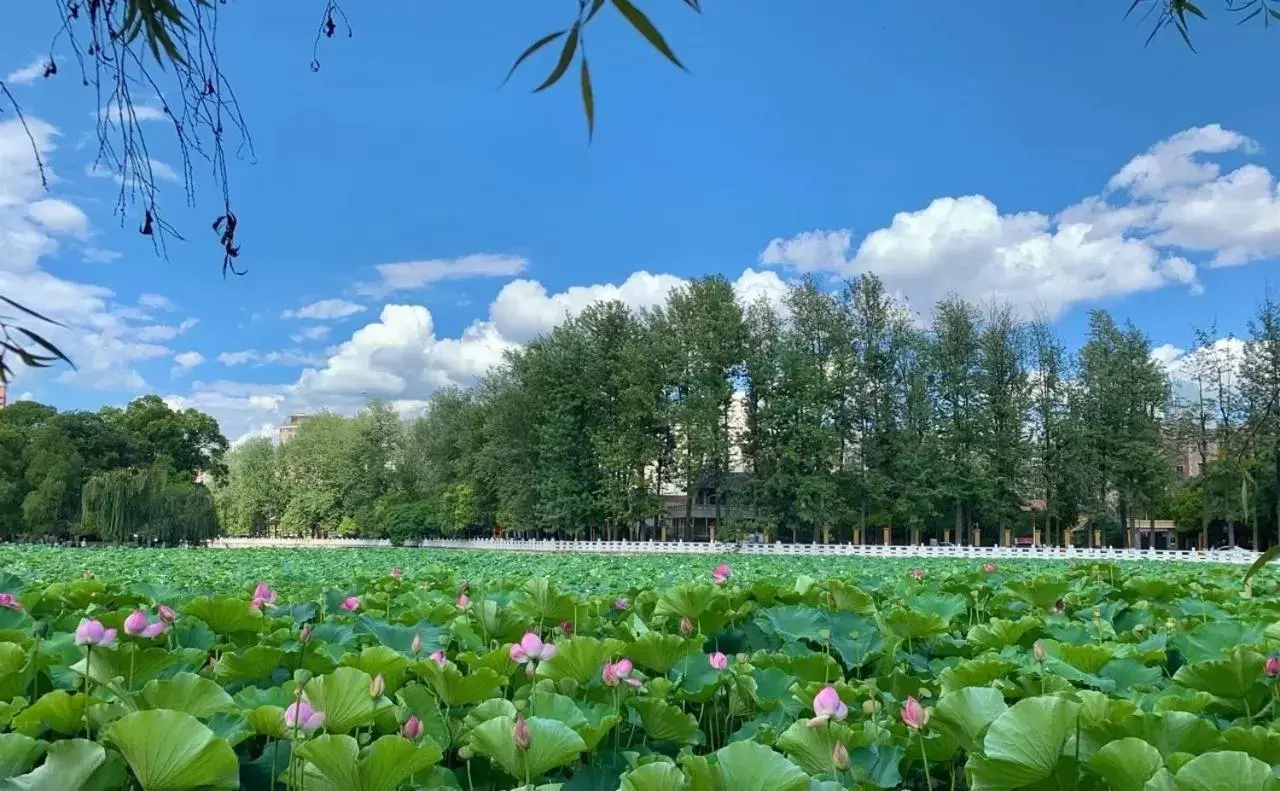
[
  {"x": 29, "y": 73},
  {"x": 164, "y": 332},
  {"x": 313, "y": 333},
  {"x": 184, "y": 362},
  {"x": 98, "y": 255},
  {"x": 287, "y": 357},
  {"x": 1163, "y": 209},
  {"x": 410, "y": 275},
  {"x": 325, "y": 309},
  {"x": 524, "y": 309},
  {"x": 156, "y": 302}
]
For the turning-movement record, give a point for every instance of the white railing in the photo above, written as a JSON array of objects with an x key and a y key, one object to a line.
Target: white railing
[{"x": 553, "y": 546}]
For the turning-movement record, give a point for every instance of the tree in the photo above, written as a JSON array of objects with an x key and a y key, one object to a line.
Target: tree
[
  {"x": 1260, "y": 391},
  {"x": 957, "y": 359},
  {"x": 146, "y": 505},
  {"x": 253, "y": 492},
  {"x": 189, "y": 439},
  {"x": 1003, "y": 414}
]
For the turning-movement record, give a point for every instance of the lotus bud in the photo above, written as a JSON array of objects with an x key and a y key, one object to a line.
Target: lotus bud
[
  {"x": 166, "y": 613},
  {"x": 917, "y": 574},
  {"x": 396, "y": 573},
  {"x": 135, "y": 623},
  {"x": 92, "y": 632},
  {"x": 416, "y": 645},
  {"x": 463, "y": 601},
  {"x": 520, "y": 733},
  {"x": 718, "y": 661},
  {"x": 686, "y": 626},
  {"x": 1097, "y": 612},
  {"x": 464, "y": 753},
  {"x": 566, "y": 628},
  {"x": 1272, "y": 667},
  {"x": 990, "y": 568},
  {"x": 350, "y": 604},
  {"x": 840, "y": 757},
  {"x": 377, "y": 686},
  {"x": 1038, "y": 651},
  {"x": 870, "y": 706},
  {"x": 10, "y": 602},
  {"x": 412, "y": 729},
  {"x": 304, "y": 634},
  {"x": 439, "y": 658},
  {"x": 620, "y": 604},
  {"x": 914, "y": 716}
]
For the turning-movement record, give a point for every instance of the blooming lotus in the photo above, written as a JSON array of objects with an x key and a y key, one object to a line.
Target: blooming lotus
[
  {"x": 9, "y": 602},
  {"x": 520, "y": 733},
  {"x": 262, "y": 594},
  {"x": 166, "y": 613},
  {"x": 396, "y": 573},
  {"x": 718, "y": 661},
  {"x": 302, "y": 716},
  {"x": 990, "y": 568},
  {"x": 618, "y": 672},
  {"x": 412, "y": 729},
  {"x": 92, "y": 632},
  {"x": 463, "y": 601},
  {"x": 350, "y": 604},
  {"x": 917, "y": 574},
  {"x": 1272, "y": 667},
  {"x": 827, "y": 706},
  {"x": 439, "y": 658},
  {"x": 914, "y": 716},
  {"x": 721, "y": 574},
  {"x": 136, "y": 625},
  {"x": 531, "y": 649}
]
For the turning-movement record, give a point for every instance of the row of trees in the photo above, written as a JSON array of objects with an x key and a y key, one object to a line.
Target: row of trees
[
  {"x": 832, "y": 413},
  {"x": 116, "y": 474}
]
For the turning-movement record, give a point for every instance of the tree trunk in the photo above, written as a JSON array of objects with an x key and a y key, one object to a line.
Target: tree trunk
[{"x": 960, "y": 524}]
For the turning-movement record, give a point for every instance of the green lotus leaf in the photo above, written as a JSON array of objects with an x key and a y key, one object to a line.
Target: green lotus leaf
[
  {"x": 877, "y": 764},
  {"x": 1225, "y": 771},
  {"x": 254, "y": 664},
  {"x": 419, "y": 702},
  {"x": 18, "y": 753},
  {"x": 385, "y": 765},
  {"x": 981, "y": 671},
  {"x": 551, "y": 744},
  {"x": 580, "y": 659},
  {"x": 15, "y": 670},
  {"x": 847, "y": 597},
  {"x": 1022, "y": 746},
  {"x": 456, "y": 689},
  {"x": 946, "y": 606},
  {"x": 599, "y": 719},
  {"x": 966, "y": 713},
  {"x": 70, "y": 765},
  {"x": 539, "y": 601},
  {"x": 1172, "y": 731},
  {"x": 227, "y": 616},
  {"x": 658, "y": 652},
  {"x": 811, "y": 748},
  {"x": 173, "y": 751},
  {"x": 59, "y": 711},
  {"x": 1126, "y": 764},
  {"x": 665, "y": 722},
  {"x": 400, "y": 638},
  {"x": 135, "y": 665},
  {"x": 911, "y": 624},
  {"x": 1213, "y": 639},
  {"x": 657, "y": 776},
  {"x": 196, "y": 695},
  {"x": 381, "y": 660},
  {"x": 343, "y": 696},
  {"x": 1000, "y": 633},
  {"x": 1232, "y": 677},
  {"x": 749, "y": 766}
]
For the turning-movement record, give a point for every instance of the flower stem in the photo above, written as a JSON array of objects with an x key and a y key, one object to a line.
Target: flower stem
[{"x": 928, "y": 777}]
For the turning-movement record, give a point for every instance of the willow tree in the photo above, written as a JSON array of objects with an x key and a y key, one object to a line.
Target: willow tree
[{"x": 147, "y": 504}]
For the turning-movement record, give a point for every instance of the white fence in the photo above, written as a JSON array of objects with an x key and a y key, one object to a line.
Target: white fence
[{"x": 623, "y": 548}]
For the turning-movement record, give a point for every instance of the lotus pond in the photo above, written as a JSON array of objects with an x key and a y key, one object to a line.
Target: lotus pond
[{"x": 377, "y": 670}]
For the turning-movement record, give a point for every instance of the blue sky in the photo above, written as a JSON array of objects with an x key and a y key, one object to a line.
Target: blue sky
[{"x": 1046, "y": 158}]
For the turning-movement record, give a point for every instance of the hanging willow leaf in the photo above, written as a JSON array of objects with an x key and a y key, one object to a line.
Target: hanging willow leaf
[
  {"x": 588, "y": 99},
  {"x": 534, "y": 47},
  {"x": 1261, "y": 562},
  {"x": 596, "y": 5},
  {"x": 642, "y": 24},
  {"x": 566, "y": 57},
  {"x": 29, "y": 311},
  {"x": 54, "y": 350}
]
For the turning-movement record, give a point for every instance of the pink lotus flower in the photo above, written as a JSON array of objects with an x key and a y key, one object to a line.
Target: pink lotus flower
[
  {"x": 439, "y": 658},
  {"x": 463, "y": 601},
  {"x": 92, "y": 632},
  {"x": 531, "y": 649},
  {"x": 1272, "y": 667},
  {"x": 914, "y": 716},
  {"x": 166, "y": 613},
  {"x": 350, "y": 604},
  {"x": 1037, "y": 650},
  {"x": 9, "y": 601},
  {"x": 302, "y": 716},
  {"x": 686, "y": 626},
  {"x": 412, "y": 729},
  {"x": 621, "y": 604},
  {"x": 618, "y": 672},
  {"x": 136, "y": 625},
  {"x": 396, "y": 574},
  {"x": 721, "y": 574},
  {"x": 990, "y": 568},
  {"x": 520, "y": 733},
  {"x": 262, "y": 594},
  {"x": 840, "y": 757},
  {"x": 718, "y": 661},
  {"x": 827, "y": 706},
  {"x": 917, "y": 574},
  {"x": 416, "y": 645}
]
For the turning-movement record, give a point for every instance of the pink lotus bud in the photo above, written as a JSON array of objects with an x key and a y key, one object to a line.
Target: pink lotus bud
[
  {"x": 92, "y": 632},
  {"x": 721, "y": 573},
  {"x": 686, "y": 626},
  {"x": 304, "y": 634},
  {"x": 396, "y": 573},
  {"x": 914, "y": 716},
  {"x": 439, "y": 658},
  {"x": 412, "y": 729},
  {"x": 531, "y": 649},
  {"x": 463, "y": 601},
  {"x": 917, "y": 574},
  {"x": 166, "y": 613},
  {"x": 840, "y": 757},
  {"x": 8, "y": 601},
  {"x": 351, "y": 604},
  {"x": 718, "y": 661},
  {"x": 135, "y": 623},
  {"x": 620, "y": 604},
  {"x": 1038, "y": 651},
  {"x": 827, "y": 705},
  {"x": 416, "y": 645},
  {"x": 302, "y": 716},
  {"x": 520, "y": 733},
  {"x": 1272, "y": 667},
  {"x": 566, "y": 628},
  {"x": 377, "y": 686},
  {"x": 990, "y": 568}
]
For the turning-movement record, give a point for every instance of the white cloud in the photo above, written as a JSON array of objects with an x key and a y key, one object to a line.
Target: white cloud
[
  {"x": 524, "y": 309},
  {"x": 409, "y": 275},
  {"x": 29, "y": 73},
  {"x": 159, "y": 171},
  {"x": 156, "y": 302},
  {"x": 58, "y": 216},
  {"x": 1162, "y": 208},
  {"x": 184, "y": 362},
  {"x": 98, "y": 255},
  {"x": 313, "y": 333},
  {"x": 138, "y": 112},
  {"x": 325, "y": 309},
  {"x": 292, "y": 358},
  {"x": 165, "y": 332}
]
